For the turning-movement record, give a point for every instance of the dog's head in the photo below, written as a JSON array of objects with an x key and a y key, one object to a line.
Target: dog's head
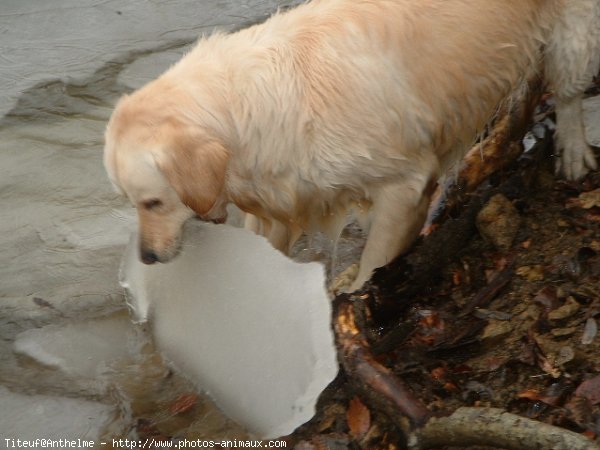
[{"x": 170, "y": 169}]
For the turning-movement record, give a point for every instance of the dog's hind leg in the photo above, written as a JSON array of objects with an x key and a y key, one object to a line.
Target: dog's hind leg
[
  {"x": 398, "y": 212},
  {"x": 572, "y": 59}
]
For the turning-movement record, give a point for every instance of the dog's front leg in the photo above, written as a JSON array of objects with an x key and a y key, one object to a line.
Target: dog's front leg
[
  {"x": 577, "y": 158},
  {"x": 283, "y": 236},
  {"x": 398, "y": 213},
  {"x": 572, "y": 59},
  {"x": 280, "y": 236}
]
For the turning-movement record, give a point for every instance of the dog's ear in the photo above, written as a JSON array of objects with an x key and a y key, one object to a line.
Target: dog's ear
[{"x": 196, "y": 169}]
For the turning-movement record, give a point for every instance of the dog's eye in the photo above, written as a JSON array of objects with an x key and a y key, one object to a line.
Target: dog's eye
[{"x": 152, "y": 204}]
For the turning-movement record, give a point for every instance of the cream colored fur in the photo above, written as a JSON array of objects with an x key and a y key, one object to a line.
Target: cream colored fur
[{"x": 341, "y": 104}]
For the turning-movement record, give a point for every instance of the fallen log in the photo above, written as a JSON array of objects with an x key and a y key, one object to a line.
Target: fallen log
[{"x": 495, "y": 428}]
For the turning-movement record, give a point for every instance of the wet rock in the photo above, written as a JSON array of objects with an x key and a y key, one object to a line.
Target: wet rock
[{"x": 498, "y": 222}]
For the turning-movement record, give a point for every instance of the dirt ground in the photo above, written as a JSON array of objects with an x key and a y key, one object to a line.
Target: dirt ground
[{"x": 529, "y": 348}]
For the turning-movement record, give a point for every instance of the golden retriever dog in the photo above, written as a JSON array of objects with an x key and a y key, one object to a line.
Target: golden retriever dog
[{"x": 339, "y": 105}]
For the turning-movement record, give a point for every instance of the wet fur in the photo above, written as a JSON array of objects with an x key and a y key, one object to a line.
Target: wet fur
[{"x": 339, "y": 105}]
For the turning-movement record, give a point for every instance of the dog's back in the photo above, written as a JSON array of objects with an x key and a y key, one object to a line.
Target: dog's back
[{"x": 340, "y": 102}]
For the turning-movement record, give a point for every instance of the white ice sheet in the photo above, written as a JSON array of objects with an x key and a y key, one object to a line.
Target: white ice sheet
[{"x": 245, "y": 323}]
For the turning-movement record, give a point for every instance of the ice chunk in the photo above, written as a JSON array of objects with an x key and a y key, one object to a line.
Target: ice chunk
[
  {"x": 43, "y": 416},
  {"x": 245, "y": 323},
  {"x": 82, "y": 349}
]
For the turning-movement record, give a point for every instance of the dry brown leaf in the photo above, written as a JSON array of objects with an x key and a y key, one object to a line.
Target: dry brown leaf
[
  {"x": 531, "y": 273},
  {"x": 529, "y": 394},
  {"x": 590, "y": 389},
  {"x": 183, "y": 403},
  {"x": 548, "y": 298},
  {"x": 586, "y": 200},
  {"x": 359, "y": 418},
  {"x": 330, "y": 415},
  {"x": 570, "y": 308},
  {"x": 581, "y": 410}
]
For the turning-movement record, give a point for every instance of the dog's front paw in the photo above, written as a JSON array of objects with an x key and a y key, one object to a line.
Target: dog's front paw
[
  {"x": 344, "y": 280},
  {"x": 576, "y": 156},
  {"x": 576, "y": 159}
]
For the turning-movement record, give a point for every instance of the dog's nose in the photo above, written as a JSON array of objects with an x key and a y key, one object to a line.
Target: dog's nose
[{"x": 148, "y": 256}]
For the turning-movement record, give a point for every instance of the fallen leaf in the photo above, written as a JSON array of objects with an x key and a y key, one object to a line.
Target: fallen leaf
[
  {"x": 496, "y": 328},
  {"x": 590, "y": 389},
  {"x": 431, "y": 319},
  {"x": 304, "y": 445},
  {"x": 531, "y": 273},
  {"x": 456, "y": 278},
  {"x": 494, "y": 362},
  {"x": 183, "y": 403},
  {"x": 533, "y": 352},
  {"x": 529, "y": 394},
  {"x": 586, "y": 200},
  {"x": 545, "y": 364},
  {"x": 550, "y": 396},
  {"x": 565, "y": 354},
  {"x": 562, "y": 332},
  {"x": 589, "y": 331},
  {"x": 483, "y": 313},
  {"x": 498, "y": 222},
  {"x": 548, "y": 298},
  {"x": 330, "y": 415},
  {"x": 359, "y": 418},
  {"x": 569, "y": 309},
  {"x": 580, "y": 409},
  {"x": 439, "y": 373},
  {"x": 449, "y": 386}
]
